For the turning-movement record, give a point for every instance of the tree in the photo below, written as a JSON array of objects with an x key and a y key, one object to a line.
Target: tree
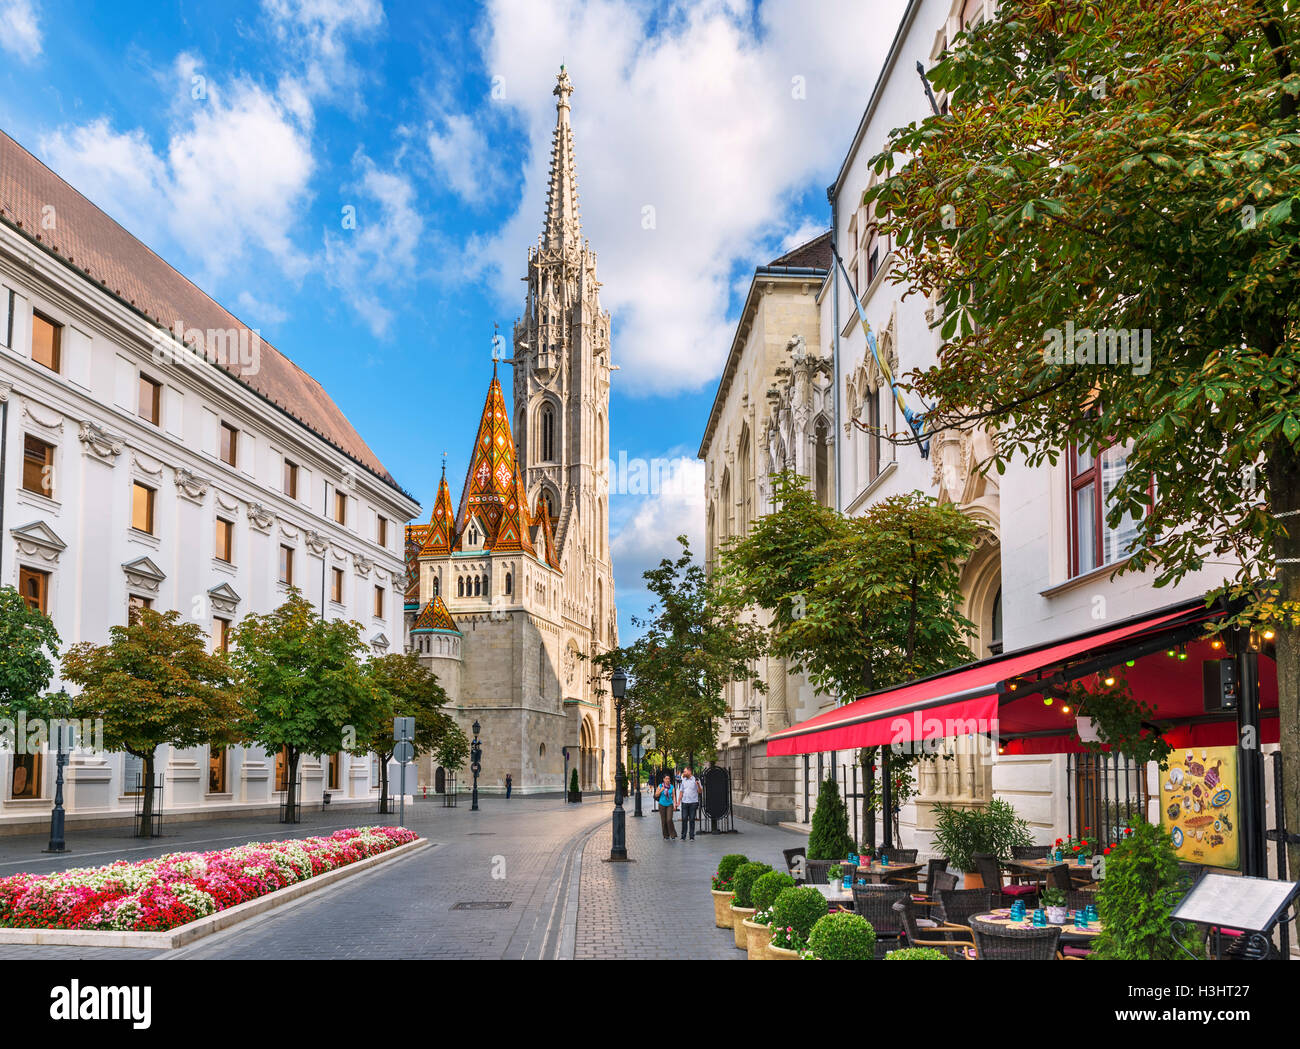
[
  {"x": 828, "y": 838},
  {"x": 407, "y": 688},
  {"x": 306, "y": 690},
  {"x": 1142, "y": 886},
  {"x": 693, "y": 643},
  {"x": 154, "y": 683},
  {"x": 29, "y": 645},
  {"x": 1126, "y": 174}
]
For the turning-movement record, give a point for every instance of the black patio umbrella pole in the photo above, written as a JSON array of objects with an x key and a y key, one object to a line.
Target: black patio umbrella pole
[
  {"x": 1250, "y": 758},
  {"x": 887, "y": 799}
]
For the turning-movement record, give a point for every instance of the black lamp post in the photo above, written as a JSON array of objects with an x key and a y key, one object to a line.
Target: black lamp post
[
  {"x": 57, "y": 843},
  {"x": 475, "y": 765},
  {"x": 618, "y": 845}
]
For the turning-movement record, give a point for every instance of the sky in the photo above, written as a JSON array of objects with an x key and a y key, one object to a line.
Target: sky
[{"x": 360, "y": 181}]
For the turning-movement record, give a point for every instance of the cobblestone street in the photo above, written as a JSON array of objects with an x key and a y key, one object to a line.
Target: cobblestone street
[{"x": 519, "y": 879}]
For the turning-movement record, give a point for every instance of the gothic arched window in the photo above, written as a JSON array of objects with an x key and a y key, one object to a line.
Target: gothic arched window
[
  {"x": 478, "y": 586},
  {"x": 509, "y": 584},
  {"x": 437, "y": 586},
  {"x": 460, "y": 586},
  {"x": 546, "y": 427}
]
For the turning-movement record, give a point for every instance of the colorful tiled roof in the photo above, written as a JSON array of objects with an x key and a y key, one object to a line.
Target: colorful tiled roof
[
  {"x": 490, "y": 481},
  {"x": 434, "y": 618},
  {"x": 438, "y": 536}
]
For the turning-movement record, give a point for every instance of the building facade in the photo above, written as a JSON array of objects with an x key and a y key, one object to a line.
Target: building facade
[
  {"x": 512, "y": 592},
  {"x": 155, "y": 452},
  {"x": 773, "y": 411}
]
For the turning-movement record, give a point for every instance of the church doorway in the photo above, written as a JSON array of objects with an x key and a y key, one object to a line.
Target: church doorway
[{"x": 587, "y": 756}]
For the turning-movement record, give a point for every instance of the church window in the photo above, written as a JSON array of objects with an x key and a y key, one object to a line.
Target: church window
[
  {"x": 509, "y": 584},
  {"x": 436, "y": 587},
  {"x": 478, "y": 586},
  {"x": 547, "y": 433},
  {"x": 821, "y": 457},
  {"x": 460, "y": 586}
]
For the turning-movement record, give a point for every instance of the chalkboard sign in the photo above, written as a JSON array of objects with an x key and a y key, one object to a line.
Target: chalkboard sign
[{"x": 717, "y": 792}]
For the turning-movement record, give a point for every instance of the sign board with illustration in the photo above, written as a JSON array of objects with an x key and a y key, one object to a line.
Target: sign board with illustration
[{"x": 1198, "y": 805}]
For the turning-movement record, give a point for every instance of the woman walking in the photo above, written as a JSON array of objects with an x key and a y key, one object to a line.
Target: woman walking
[{"x": 666, "y": 796}]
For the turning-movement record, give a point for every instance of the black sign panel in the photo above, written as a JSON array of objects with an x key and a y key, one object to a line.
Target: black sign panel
[
  {"x": 440, "y": 780},
  {"x": 717, "y": 792}
]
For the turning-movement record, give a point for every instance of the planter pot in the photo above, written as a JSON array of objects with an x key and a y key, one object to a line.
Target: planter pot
[
  {"x": 722, "y": 908},
  {"x": 1058, "y": 915},
  {"x": 972, "y": 880},
  {"x": 575, "y": 797},
  {"x": 1087, "y": 729},
  {"x": 757, "y": 938},
  {"x": 738, "y": 923},
  {"x": 780, "y": 954}
]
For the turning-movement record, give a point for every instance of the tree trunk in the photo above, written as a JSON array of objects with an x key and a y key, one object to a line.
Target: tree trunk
[
  {"x": 383, "y": 783},
  {"x": 291, "y": 787},
  {"x": 145, "y": 829},
  {"x": 1284, "y": 497}
]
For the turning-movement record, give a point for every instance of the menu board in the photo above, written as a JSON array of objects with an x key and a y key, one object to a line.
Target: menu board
[{"x": 1198, "y": 805}]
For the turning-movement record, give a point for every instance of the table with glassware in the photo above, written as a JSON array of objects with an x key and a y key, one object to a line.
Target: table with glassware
[{"x": 1080, "y": 927}]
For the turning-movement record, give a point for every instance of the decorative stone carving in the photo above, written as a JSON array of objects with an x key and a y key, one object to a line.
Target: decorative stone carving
[
  {"x": 223, "y": 598},
  {"x": 98, "y": 442},
  {"x": 143, "y": 574},
  {"x": 316, "y": 542},
  {"x": 226, "y": 502},
  {"x": 363, "y": 564},
  {"x": 191, "y": 485},
  {"x": 54, "y": 424},
  {"x": 39, "y": 541},
  {"x": 260, "y": 517},
  {"x": 146, "y": 465},
  {"x": 5, "y": 389},
  {"x": 379, "y": 642}
]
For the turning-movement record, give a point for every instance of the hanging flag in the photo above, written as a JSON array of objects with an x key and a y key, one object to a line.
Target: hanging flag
[{"x": 915, "y": 422}]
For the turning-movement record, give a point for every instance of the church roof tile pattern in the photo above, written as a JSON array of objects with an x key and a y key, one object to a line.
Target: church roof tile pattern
[
  {"x": 438, "y": 534},
  {"x": 434, "y": 618},
  {"x": 490, "y": 483}
]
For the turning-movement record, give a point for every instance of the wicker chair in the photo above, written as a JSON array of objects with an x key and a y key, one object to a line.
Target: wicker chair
[
  {"x": 953, "y": 940},
  {"x": 1078, "y": 899},
  {"x": 897, "y": 855},
  {"x": 1030, "y": 852},
  {"x": 940, "y": 881},
  {"x": 990, "y": 871},
  {"x": 1058, "y": 877},
  {"x": 1001, "y": 943},
  {"x": 876, "y": 904},
  {"x": 959, "y": 904},
  {"x": 790, "y": 855},
  {"x": 816, "y": 871}
]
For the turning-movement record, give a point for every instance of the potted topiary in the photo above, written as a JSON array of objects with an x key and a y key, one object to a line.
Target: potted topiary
[
  {"x": 843, "y": 937},
  {"x": 574, "y": 793},
  {"x": 959, "y": 833},
  {"x": 1053, "y": 900},
  {"x": 916, "y": 954},
  {"x": 742, "y": 906},
  {"x": 723, "y": 890},
  {"x": 794, "y": 913},
  {"x": 828, "y": 839},
  {"x": 758, "y": 927}
]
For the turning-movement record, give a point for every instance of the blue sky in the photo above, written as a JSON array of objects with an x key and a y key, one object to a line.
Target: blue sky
[{"x": 231, "y": 138}]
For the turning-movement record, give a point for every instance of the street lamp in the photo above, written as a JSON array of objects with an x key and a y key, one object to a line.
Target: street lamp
[
  {"x": 618, "y": 845},
  {"x": 475, "y": 764},
  {"x": 56, "y": 814}
]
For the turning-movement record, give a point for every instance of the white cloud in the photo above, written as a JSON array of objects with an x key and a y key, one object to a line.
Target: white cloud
[
  {"x": 233, "y": 175},
  {"x": 20, "y": 29},
  {"x": 646, "y": 531},
  {"x": 699, "y": 121},
  {"x": 256, "y": 312},
  {"x": 461, "y": 155},
  {"x": 366, "y": 263},
  {"x": 318, "y": 33}
]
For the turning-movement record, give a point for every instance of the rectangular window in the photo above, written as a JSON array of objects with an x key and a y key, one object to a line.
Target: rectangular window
[
  {"x": 150, "y": 400},
  {"x": 282, "y": 770},
  {"x": 379, "y": 602},
  {"x": 336, "y": 586},
  {"x": 229, "y": 444},
  {"x": 217, "y": 770},
  {"x": 220, "y": 634},
  {"x": 47, "y": 341},
  {"x": 286, "y": 565},
  {"x": 38, "y": 466},
  {"x": 225, "y": 540},
  {"x": 6, "y": 316},
  {"x": 340, "y": 507},
  {"x": 135, "y": 604},
  {"x": 34, "y": 585},
  {"x": 291, "y": 479},
  {"x": 381, "y": 531},
  {"x": 142, "y": 507},
  {"x": 1093, "y": 480},
  {"x": 26, "y": 779},
  {"x": 335, "y": 761}
]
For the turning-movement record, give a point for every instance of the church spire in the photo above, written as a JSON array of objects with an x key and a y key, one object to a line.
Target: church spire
[{"x": 563, "y": 223}]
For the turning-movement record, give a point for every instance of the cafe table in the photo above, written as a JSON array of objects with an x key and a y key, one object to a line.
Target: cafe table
[
  {"x": 836, "y": 894},
  {"x": 878, "y": 872},
  {"x": 1039, "y": 868},
  {"x": 1000, "y": 918}
]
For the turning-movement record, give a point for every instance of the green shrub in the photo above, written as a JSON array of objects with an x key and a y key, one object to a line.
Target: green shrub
[
  {"x": 729, "y": 864},
  {"x": 843, "y": 937},
  {"x": 1137, "y": 898},
  {"x": 959, "y": 833},
  {"x": 916, "y": 954},
  {"x": 743, "y": 883},
  {"x": 767, "y": 887},
  {"x": 829, "y": 838},
  {"x": 798, "y": 909},
  {"x": 573, "y": 782}
]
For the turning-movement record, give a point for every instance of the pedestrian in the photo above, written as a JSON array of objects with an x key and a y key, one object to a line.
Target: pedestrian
[
  {"x": 510, "y": 782},
  {"x": 666, "y": 796},
  {"x": 690, "y": 802}
]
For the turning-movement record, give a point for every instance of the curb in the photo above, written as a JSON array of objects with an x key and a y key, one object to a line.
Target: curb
[{"x": 196, "y": 930}]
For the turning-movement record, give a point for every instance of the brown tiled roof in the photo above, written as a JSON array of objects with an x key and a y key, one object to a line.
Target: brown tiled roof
[
  {"x": 98, "y": 248},
  {"x": 816, "y": 254}
]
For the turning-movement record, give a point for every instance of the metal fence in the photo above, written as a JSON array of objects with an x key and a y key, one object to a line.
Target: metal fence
[
  {"x": 154, "y": 830},
  {"x": 1105, "y": 793}
]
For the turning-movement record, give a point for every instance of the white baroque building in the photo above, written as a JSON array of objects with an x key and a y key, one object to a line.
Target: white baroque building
[{"x": 207, "y": 475}]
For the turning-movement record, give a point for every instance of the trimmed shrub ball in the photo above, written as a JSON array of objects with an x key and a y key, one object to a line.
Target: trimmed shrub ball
[
  {"x": 743, "y": 883},
  {"x": 799, "y": 909},
  {"x": 843, "y": 937},
  {"x": 768, "y": 887},
  {"x": 729, "y": 864}
]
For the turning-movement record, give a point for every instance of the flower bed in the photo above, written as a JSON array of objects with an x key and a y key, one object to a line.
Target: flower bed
[{"x": 173, "y": 890}]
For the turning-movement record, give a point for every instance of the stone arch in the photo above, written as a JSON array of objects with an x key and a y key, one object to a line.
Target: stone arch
[{"x": 588, "y": 758}]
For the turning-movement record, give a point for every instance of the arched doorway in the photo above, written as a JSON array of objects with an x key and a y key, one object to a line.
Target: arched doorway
[{"x": 587, "y": 756}]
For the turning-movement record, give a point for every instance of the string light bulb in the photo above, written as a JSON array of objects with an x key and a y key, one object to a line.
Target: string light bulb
[
  {"x": 1065, "y": 710},
  {"x": 1269, "y": 634},
  {"x": 1109, "y": 680}
]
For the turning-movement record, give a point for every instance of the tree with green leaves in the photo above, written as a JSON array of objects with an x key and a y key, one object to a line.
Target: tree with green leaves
[
  {"x": 305, "y": 689},
  {"x": 828, "y": 837},
  {"x": 154, "y": 683},
  {"x": 407, "y": 688},
  {"x": 1126, "y": 174},
  {"x": 29, "y": 646}
]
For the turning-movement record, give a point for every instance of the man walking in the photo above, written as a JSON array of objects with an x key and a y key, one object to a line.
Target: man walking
[
  {"x": 666, "y": 796},
  {"x": 690, "y": 795},
  {"x": 510, "y": 782}
]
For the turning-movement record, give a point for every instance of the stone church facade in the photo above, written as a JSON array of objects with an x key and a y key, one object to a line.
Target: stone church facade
[{"x": 510, "y": 589}]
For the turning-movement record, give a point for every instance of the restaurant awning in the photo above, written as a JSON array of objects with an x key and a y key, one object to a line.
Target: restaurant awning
[{"x": 1003, "y": 696}]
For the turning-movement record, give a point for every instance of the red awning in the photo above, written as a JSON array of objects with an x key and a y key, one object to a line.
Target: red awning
[{"x": 969, "y": 699}]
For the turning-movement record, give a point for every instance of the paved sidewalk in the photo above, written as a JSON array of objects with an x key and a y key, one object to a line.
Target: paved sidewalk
[{"x": 659, "y": 907}]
